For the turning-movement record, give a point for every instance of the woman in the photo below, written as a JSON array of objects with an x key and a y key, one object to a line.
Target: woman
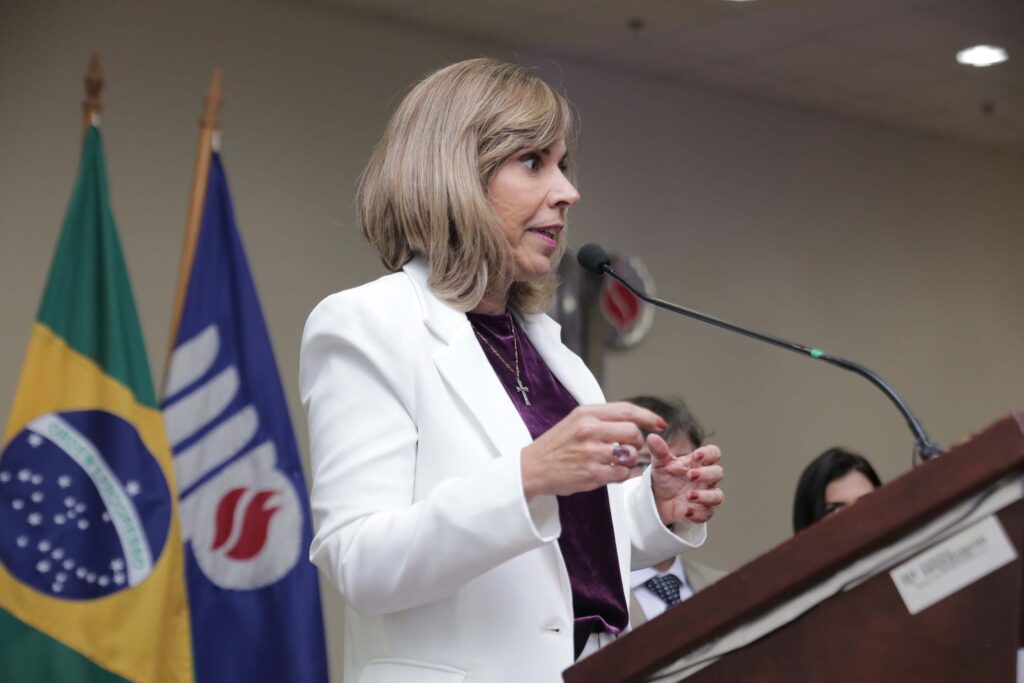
[
  {"x": 834, "y": 480},
  {"x": 461, "y": 462}
]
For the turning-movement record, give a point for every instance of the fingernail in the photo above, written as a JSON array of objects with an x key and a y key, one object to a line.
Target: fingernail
[
  {"x": 694, "y": 475},
  {"x": 689, "y": 513},
  {"x": 662, "y": 425},
  {"x": 693, "y": 495}
]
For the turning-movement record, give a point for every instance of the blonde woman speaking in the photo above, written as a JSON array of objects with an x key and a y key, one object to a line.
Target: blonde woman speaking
[{"x": 470, "y": 484}]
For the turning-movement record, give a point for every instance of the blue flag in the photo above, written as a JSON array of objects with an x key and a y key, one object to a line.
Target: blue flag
[{"x": 253, "y": 595}]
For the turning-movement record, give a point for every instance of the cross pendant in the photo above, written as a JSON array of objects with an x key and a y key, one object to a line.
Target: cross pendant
[{"x": 523, "y": 389}]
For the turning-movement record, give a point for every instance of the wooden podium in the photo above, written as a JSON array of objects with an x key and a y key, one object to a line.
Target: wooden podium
[{"x": 864, "y": 632}]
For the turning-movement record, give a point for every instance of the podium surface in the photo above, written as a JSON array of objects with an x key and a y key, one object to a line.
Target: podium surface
[{"x": 860, "y": 630}]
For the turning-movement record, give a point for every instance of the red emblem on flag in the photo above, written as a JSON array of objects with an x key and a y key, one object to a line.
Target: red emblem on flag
[{"x": 255, "y": 523}]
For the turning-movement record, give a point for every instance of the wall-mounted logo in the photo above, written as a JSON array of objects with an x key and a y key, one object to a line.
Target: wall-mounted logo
[
  {"x": 84, "y": 507},
  {"x": 629, "y": 317}
]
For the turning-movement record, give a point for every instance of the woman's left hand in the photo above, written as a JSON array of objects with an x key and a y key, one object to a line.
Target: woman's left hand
[{"x": 685, "y": 487}]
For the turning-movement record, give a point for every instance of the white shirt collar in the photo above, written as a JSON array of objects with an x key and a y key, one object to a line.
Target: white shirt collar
[{"x": 640, "y": 576}]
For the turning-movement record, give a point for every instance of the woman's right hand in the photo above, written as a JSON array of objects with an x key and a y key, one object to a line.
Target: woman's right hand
[{"x": 577, "y": 453}]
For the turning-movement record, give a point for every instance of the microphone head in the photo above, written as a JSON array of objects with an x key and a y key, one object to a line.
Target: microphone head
[{"x": 593, "y": 257}]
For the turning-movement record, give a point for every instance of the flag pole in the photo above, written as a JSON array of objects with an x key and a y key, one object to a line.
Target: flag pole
[
  {"x": 91, "y": 105},
  {"x": 208, "y": 126}
]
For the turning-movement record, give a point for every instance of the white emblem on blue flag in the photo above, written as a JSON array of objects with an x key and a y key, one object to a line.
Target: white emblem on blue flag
[{"x": 245, "y": 522}]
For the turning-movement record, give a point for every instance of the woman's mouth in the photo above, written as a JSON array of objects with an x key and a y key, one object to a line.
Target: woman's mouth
[{"x": 548, "y": 234}]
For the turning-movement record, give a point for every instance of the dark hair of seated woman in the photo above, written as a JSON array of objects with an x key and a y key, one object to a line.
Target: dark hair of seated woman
[{"x": 814, "y": 499}]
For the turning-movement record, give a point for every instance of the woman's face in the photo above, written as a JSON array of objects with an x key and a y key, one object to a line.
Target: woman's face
[
  {"x": 846, "y": 490},
  {"x": 531, "y": 196}
]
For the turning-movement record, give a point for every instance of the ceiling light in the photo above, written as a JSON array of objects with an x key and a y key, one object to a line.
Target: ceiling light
[{"x": 982, "y": 55}]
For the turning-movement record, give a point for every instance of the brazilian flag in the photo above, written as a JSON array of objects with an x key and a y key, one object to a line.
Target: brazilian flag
[{"x": 91, "y": 572}]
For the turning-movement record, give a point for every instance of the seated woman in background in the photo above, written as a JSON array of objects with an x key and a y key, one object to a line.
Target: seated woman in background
[{"x": 834, "y": 480}]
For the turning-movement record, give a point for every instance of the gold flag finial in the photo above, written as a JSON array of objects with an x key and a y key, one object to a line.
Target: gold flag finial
[{"x": 92, "y": 105}]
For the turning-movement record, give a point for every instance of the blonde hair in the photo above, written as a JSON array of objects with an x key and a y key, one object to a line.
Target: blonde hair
[{"x": 425, "y": 188}]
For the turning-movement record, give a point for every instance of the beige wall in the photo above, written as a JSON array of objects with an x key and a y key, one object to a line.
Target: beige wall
[{"x": 888, "y": 247}]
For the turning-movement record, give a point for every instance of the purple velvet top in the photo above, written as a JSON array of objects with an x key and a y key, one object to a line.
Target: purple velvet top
[{"x": 587, "y": 542}]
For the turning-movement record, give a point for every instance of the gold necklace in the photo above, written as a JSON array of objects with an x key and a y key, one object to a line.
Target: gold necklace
[{"x": 520, "y": 387}]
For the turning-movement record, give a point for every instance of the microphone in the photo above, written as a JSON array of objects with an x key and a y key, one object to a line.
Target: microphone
[{"x": 594, "y": 258}]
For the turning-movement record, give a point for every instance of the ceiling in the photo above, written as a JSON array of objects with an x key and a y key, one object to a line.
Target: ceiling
[{"x": 890, "y": 62}]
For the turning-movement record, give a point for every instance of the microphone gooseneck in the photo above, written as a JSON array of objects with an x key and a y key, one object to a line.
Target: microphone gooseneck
[{"x": 594, "y": 258}]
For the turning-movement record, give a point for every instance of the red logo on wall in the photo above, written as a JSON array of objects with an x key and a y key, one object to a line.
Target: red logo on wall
[
  {"x": 629, "y": 317},
  {"x": 620, "y": 306}
]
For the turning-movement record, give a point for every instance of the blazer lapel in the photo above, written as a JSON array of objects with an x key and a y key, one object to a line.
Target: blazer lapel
[
  {"x": 571, "y": 371},
  {"x": 464, "y": 367}
]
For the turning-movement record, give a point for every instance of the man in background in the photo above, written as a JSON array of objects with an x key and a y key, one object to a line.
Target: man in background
[{"x": 657, "y": 588}]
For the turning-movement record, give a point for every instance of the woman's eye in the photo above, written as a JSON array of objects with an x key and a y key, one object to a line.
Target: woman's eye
[{"x": 531, "y": 161}]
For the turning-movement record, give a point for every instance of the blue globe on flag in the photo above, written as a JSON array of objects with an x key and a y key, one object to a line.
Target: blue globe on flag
[{"x": 84, "y": 506}]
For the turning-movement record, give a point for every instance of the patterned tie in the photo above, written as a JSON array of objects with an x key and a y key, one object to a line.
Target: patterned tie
[{"x": 665, "y": 587}]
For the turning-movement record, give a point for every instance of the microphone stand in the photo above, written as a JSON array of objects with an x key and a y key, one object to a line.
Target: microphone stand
[{"x": 924, "y": 447}]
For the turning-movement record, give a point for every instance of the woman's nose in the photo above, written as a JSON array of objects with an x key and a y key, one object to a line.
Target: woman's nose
[{"x": 563, "y": 193}]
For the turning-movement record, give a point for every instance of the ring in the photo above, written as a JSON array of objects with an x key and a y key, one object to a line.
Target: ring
[{"x": 620, "y": 453}]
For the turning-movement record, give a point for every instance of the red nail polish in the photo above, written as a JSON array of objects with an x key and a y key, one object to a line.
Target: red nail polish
[
  {"x": 689, "y": 513},
  {"x": 694, "y": 475},
  {"x": 693, "y": 495}
]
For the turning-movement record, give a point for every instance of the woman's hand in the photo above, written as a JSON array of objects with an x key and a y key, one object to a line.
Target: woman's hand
[
  {"x": 578, "y": 453},
  {"x": 685, "y": 488}
]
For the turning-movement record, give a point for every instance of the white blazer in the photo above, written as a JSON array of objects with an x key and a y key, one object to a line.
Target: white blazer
[{"x": 448, "y": 574}]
